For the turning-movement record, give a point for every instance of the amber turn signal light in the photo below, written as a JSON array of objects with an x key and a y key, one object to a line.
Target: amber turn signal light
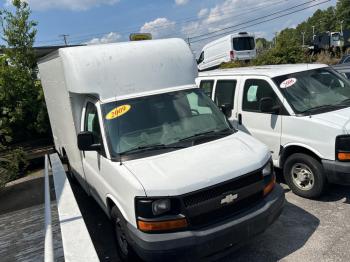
[
  {"x": 148, "y": 226},
  {"x": 268, "y": 188},
  {"x": 344, "y": 156}
]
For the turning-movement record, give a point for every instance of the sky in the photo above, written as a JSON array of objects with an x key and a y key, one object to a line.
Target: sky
[{"x": 105, "y": 21}]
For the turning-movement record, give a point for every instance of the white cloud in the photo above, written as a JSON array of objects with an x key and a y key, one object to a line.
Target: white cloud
[
  {"x": 203, "y": 12},
  {"x": 74, "y": 5},
  {"x": 181, "y": 2},
  {"x": 159, "y": 27},
  {"x": 112, "y": 37}
]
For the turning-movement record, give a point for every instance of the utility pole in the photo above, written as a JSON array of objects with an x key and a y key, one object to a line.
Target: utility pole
[
  {"x": 303, "y": 33},
  {"x": 276, "y": 38},
  {"x": 188, "y": 41},
  {"x": 64, "y": 39},
  {"x": 313, "y": 32},
  {"x": 341, "y": 26}
]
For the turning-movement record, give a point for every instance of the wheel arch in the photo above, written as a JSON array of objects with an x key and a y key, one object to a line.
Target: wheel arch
[
  {"x": 290, "y": 149},
  {"x": 111, "y": 202}
]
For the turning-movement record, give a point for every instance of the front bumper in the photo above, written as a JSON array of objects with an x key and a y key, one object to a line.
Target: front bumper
[
  {"x": 201, "y": 244},
  {"x": 337, "y": 172}
]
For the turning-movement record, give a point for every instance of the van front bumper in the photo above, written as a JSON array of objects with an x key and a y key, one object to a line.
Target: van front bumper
[
  {"x": 337, "y": 172},
  {"x": 212, "y": 240}
]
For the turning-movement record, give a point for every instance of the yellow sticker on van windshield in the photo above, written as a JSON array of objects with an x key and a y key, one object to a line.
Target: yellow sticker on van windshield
[{"x": 118, "y": 111}]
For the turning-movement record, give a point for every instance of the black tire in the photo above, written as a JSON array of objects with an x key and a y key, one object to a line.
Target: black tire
[
  {"x": 308, "y": 167},
  {"x": 125, "y": 251}
]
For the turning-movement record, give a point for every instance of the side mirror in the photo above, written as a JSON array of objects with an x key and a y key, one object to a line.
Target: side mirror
[
  {"x": 226, "y": 109},
  {"x": 267, "y": 105},
  {"x": 86, "y": 142}
]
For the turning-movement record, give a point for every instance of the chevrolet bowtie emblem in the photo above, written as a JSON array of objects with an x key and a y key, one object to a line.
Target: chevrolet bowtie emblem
[{"x": 229, "y": 199}]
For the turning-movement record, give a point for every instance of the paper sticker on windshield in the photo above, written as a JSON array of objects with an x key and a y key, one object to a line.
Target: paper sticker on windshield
[
  {"x": 118, "y": 111},
  {"x": 288, "y": 82}
]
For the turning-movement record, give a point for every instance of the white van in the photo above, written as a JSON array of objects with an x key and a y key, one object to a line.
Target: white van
[
  {"x": 302, "y": 112},
  {"x": 238, "y": 46},
  {"x": 155, "y": 152}
]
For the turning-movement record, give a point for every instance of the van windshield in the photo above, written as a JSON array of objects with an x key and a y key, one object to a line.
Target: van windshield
[
  {"x": 161, "y": 120},
  {"x": 315, "y": 91},
  {"x": 243, "y": 43}
]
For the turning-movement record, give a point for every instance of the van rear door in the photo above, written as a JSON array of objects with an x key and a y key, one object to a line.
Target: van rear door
[{"x": 243, "y": 48}]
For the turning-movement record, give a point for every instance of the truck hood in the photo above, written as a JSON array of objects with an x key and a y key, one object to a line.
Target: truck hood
[
  {"x": 200, "y": 166},
  {"x": 338, "y": 119}
]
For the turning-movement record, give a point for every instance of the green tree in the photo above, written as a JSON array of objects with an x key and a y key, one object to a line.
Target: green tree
[{"x": 23, "y": 114}]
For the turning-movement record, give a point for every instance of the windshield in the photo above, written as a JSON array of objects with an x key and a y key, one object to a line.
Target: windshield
[
  {"x": 162, "y": 119},
  {"x": 322, "y": 89},
  {"x": 243, "y": 43}
]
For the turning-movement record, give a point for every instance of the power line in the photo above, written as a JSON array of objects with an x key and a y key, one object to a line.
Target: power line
[
  {"x": 179, "y": 22},
  {"x": 258, "y": 23},
  {"x": 255, "y": 19}
]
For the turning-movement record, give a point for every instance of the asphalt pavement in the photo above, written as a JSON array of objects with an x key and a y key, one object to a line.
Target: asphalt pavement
[{"x": 307, "y": 230}]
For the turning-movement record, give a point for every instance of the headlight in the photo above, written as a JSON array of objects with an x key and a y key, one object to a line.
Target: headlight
[
  {"x": 268, "y": 169},
  {"x": 269, "y": 177},
  {"x": 342, "y": 148},
  {"x": 159, "y": 214},
  {"x": 160, "y": 206}
]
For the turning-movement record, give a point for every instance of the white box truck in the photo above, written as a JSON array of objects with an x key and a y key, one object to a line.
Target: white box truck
[
  {"x": 301, "y": 111},
  {"x": 233, "y": 47},
  {"x": 155, "y": 152}
]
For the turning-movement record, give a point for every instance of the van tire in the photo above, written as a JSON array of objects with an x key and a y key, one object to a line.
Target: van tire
[
  {"x": 125, "y": 250},
  {"x": 305, "y": 175}
]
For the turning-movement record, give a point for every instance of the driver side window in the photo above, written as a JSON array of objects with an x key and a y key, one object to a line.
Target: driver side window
[
  {"x": 91, "y": 122},
  {"x": 254, "y": 91}
]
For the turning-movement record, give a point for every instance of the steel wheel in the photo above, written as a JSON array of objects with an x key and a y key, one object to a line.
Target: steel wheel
[{"x": 302, "y": 176}]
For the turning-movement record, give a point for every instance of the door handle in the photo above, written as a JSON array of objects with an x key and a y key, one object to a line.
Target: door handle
[{"x": 240, "y": 119}]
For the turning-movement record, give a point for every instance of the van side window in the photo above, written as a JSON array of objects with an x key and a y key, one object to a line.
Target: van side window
[
  {"x": 254, "y": 91},
  {"x": 91, "y": 122},
  {"x": 225, "y": 92},
  {"x": 201, "y": 58},
  {"x": 207, "y": 86}
]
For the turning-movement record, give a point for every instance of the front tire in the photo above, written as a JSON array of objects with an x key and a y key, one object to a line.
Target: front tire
[
  {"x": 125, "y": 251},
  {"x": 305, "y": 175}
]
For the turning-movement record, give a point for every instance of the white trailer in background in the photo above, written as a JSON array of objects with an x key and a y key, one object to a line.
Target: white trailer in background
[
  {"x": 155, "y": 152},
  {"x": 233, "y": 47}
]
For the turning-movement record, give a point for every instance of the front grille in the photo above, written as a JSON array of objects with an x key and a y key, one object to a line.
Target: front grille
[
  {"x": 205, "y": 206},
  {"x": 225, "y": 212},
  {"x": 203, "y": 195}
]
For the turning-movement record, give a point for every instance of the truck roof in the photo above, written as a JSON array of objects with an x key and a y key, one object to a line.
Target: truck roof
[
  {"x": 122, "y": 69},
  {"x": 268, "y": 70}
]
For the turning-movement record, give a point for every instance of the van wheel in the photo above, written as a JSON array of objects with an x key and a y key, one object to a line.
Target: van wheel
[
  {"x": 304, "y": 175},
  {"x": 125, "y": 251}
]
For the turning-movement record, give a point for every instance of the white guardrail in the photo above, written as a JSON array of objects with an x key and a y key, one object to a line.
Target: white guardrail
[{"x": 76, "y": 241}]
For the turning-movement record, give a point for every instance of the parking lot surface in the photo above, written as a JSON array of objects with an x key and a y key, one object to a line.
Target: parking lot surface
[{"x": 308, "y": 230}]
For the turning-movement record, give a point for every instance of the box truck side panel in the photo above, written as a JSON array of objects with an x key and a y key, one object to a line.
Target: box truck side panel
[{"x": 60, "y": 113}]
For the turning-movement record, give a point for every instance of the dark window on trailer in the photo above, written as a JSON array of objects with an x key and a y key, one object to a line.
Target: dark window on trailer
[{"x": 243, "y": 43}]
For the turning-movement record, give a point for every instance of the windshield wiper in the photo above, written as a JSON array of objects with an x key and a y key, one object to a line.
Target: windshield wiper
[
  {"x": 149, "y": 148},
  {"x": 313, "y": 109},
  {"x": 208, "y": 134}
]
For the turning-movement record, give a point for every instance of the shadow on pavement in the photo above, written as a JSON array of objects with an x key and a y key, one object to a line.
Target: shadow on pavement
[
  {"x": 24, "y": 195},
  {"x": 97, "y": 223},
  {"x": 288, "y": 234}
]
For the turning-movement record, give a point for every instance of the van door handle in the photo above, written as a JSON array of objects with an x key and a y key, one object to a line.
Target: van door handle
[{"x": 240, "y": 119}]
